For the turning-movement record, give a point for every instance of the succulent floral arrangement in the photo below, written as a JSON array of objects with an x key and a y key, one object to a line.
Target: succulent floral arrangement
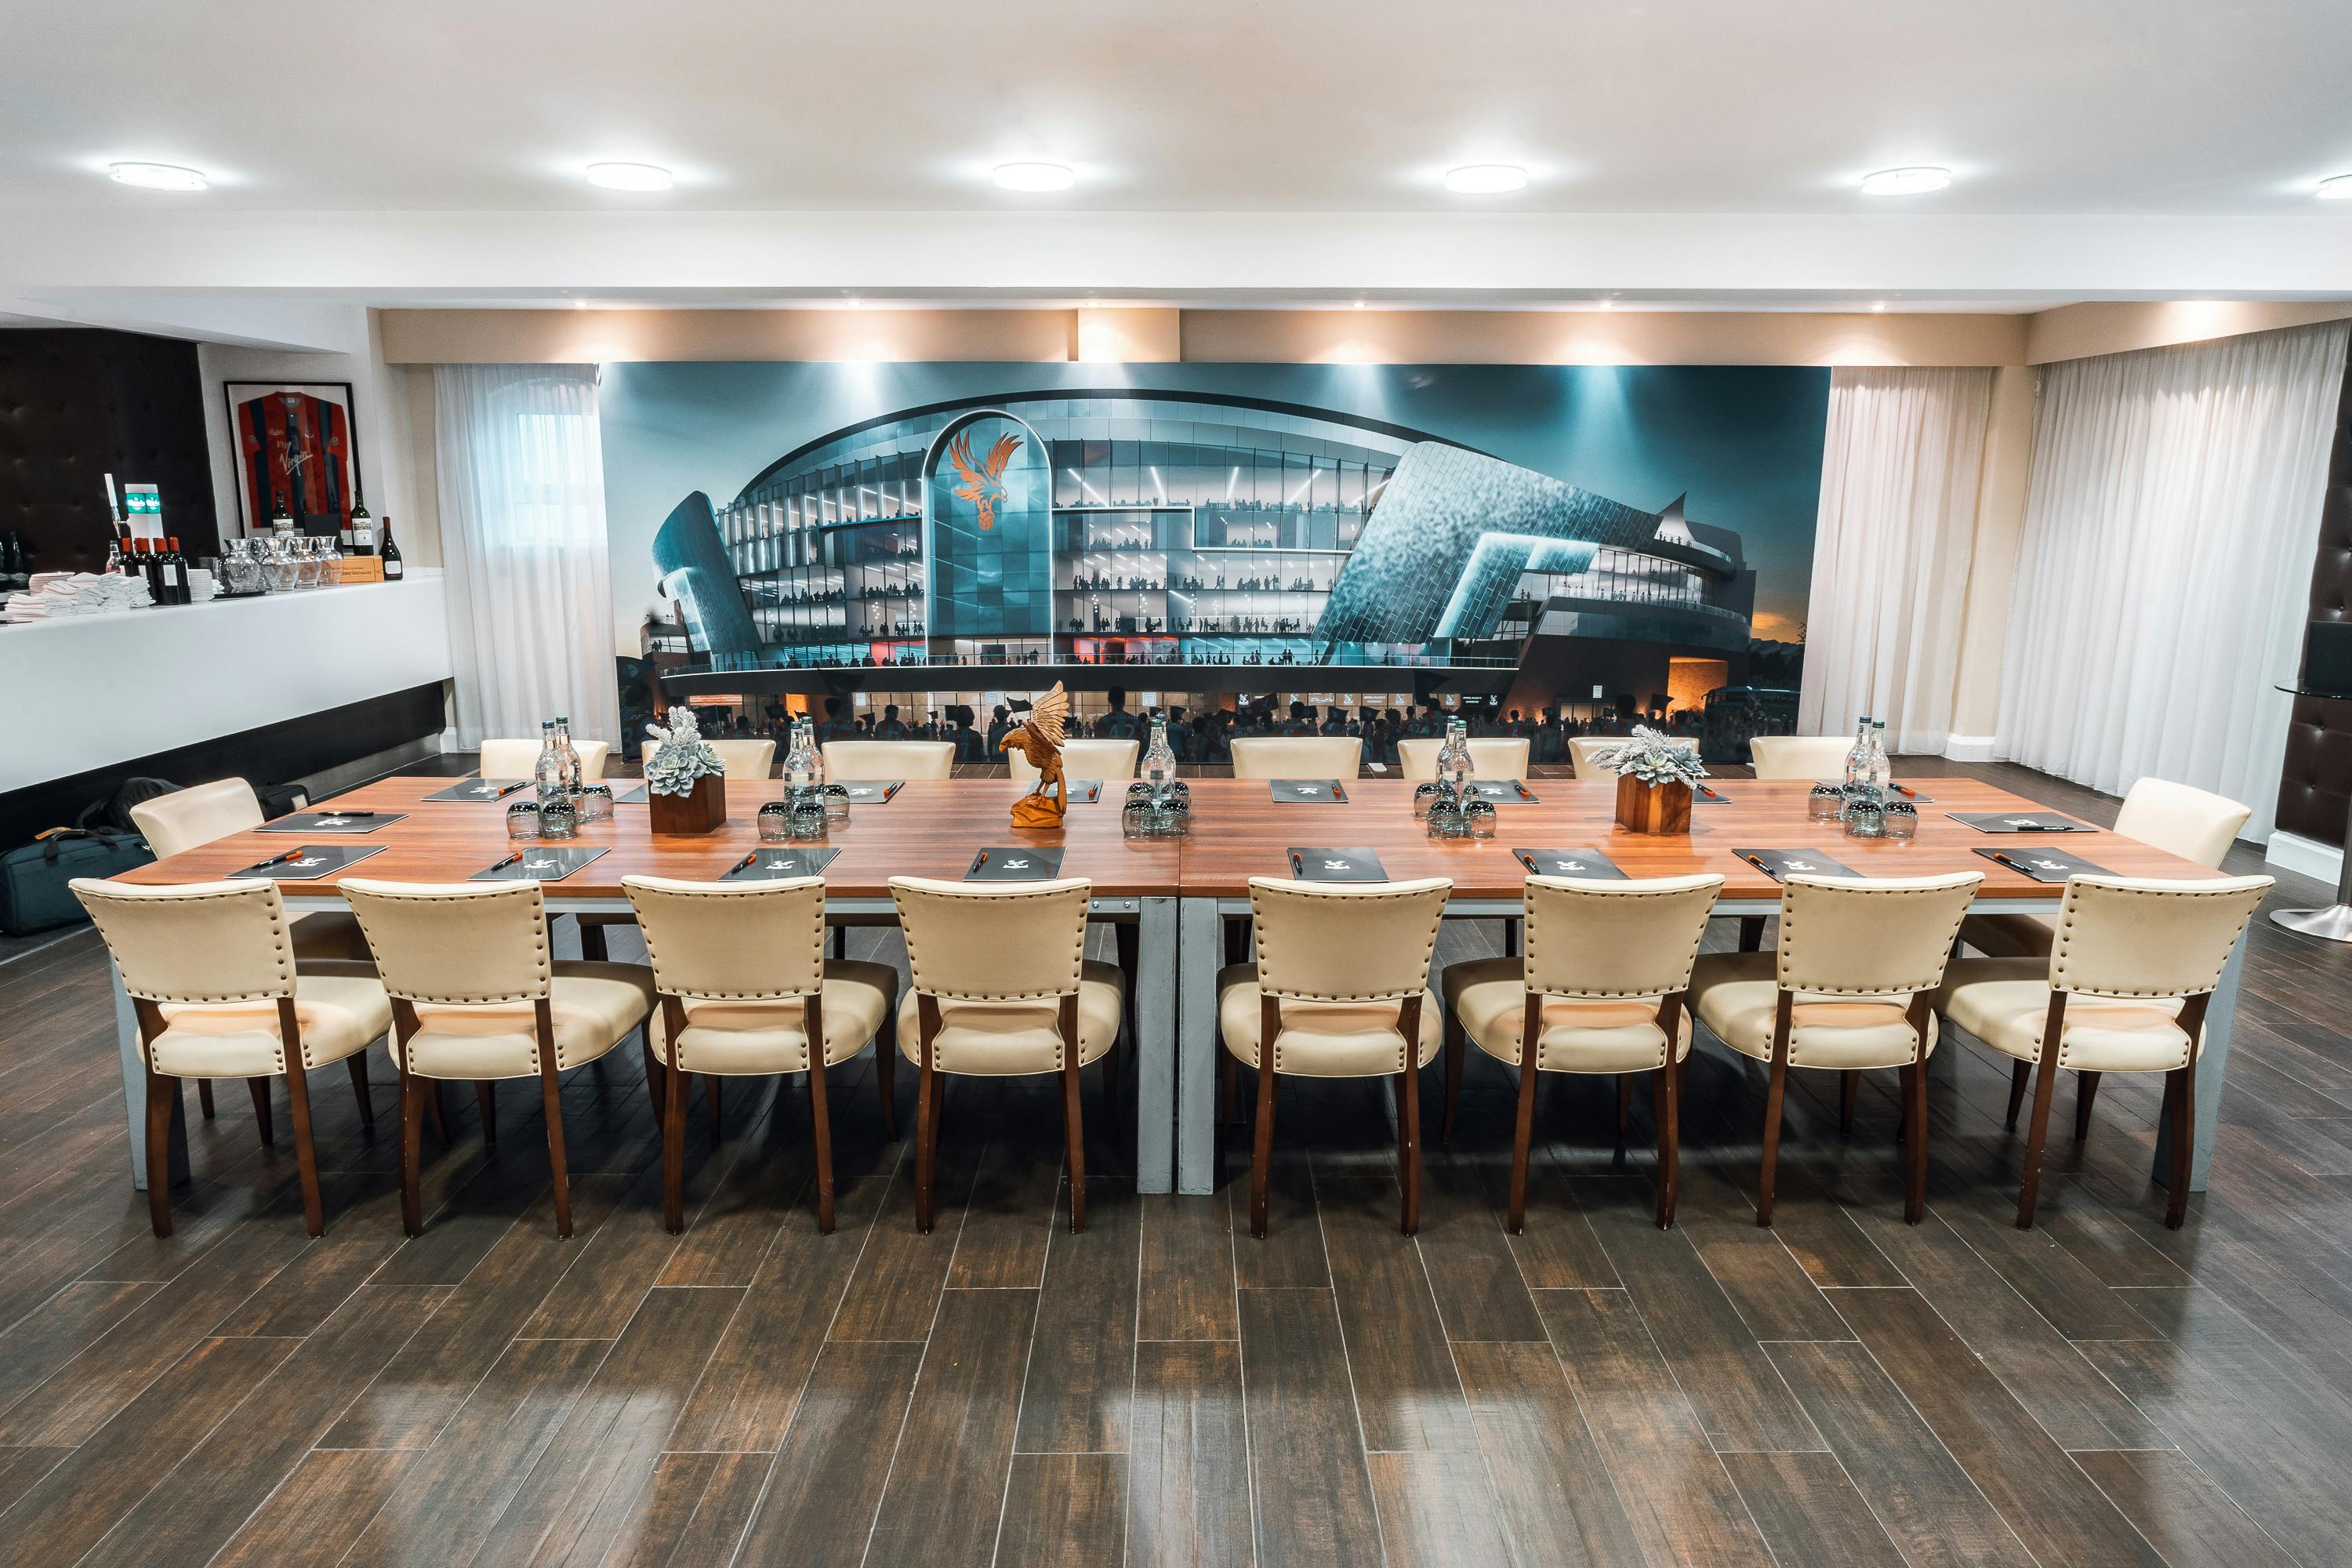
[
  {"x": 1652, "y": 757},
  {"x": 681, "y": 756}
]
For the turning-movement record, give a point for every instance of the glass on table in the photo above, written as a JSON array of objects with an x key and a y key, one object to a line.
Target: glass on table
[
  {"x": 1901, "y": 819},
  {"x": 594, "y": 803},
  {"x": 523, "y": 819},
  {"x": 1826, "y": 803},
  {"x": 1478, "y": 819},
  {"x": 1423, "y": 793},
  {"x": 1865, "y": 818},
  {"x": 775, "y": 822}
]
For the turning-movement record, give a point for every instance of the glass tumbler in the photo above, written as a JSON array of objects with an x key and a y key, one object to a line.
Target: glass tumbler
[
  {"x": 1825, "y": 803},
  {"x": 1478, "y": 818},
  {"x": 1901, "y": 819},
  {"x": 523, "y": 819},
  {"x": 774, "y": 822},
  {"x": 1865, "y": 819},
  {"x": 1423, "y": 793},
  {"x": 594, "y": 803}
]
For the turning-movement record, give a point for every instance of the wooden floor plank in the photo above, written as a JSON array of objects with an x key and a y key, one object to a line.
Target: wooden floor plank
[
  {"x": 1680, "y": 1500},
  {"x": 1187, "y": 1271},
  {"x": 1556, "y": 1504},
  {"x": 947, "y": 1483},
  {"x": 1556, "y": 1250},
  {"x": 61, "y": 1328},
  {"x": 1009, "y": 1217},
  {"x": 1082, "y": 1373},
  {"x": 1407, "y": 1390},
  {"x": 1064, "y": 1510},
  {"x": 825, "y": 1486},
  {"x": 1188, "y": 1472},
  {"x": 1810, "y": 1512},
  {"x": 1437, "y": 1512},
  {"x": 1290, "y": 1254},
  {"x": 715, "y": 1532},
  {"x": 1468, "y": 1256},
  {"x": 894, "y": 1292},
  {"x": 1308, "y": 1467},
  {"x": 318, "y": 1511},
  {"x": 2178, "y": 1507}
]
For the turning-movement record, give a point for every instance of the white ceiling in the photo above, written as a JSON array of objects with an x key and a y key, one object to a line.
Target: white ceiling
[{"x": 1273, "y": 145}]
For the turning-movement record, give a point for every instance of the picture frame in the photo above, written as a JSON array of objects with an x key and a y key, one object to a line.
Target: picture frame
[{"x": 298, "y": 441}]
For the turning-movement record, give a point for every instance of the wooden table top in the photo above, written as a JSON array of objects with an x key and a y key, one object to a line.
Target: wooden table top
[{"x": 932, "y": 828}]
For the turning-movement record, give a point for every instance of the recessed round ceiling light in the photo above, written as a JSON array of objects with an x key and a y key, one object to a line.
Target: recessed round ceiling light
[
  {"x": 1485, "y": 179},
  {"x": 158, "y": 176},
  {"x": 1905, "y": 182},
  {"x": 2339, "y": 189},
  {"x": 629, "y": 176},
  {"x": 1033, "y": 177}
]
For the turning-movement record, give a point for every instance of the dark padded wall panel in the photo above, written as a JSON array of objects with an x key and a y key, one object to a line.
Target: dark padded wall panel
[
  {"x": 2315, "y": 791},
  {"x": 79, "y": 403}
]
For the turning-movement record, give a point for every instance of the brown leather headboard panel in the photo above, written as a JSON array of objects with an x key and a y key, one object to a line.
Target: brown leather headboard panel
[{"x": 2315, "y": 788}]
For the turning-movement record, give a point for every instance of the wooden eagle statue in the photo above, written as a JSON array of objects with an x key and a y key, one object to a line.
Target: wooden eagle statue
[{"x": 1039, "y": 738}]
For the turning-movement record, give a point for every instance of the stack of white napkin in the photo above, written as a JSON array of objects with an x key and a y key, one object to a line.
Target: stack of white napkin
[{"x": 60, "y": 593}]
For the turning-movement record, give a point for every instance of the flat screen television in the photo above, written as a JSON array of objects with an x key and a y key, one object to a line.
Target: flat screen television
[{"x": 2327, "y": 658}]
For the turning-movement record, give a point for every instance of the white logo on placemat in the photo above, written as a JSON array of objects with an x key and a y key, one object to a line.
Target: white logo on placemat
[
  {"x": 1016, "y": 865},
  {"x": 486, "y": 789},
  {"x": 1302, "y": 789},
  {"x": 308, "y": 860},
  {"x": 541, "y": 865},
  {"x": 1802, "y": 866},
  {"x": 1334, "y": 864},
  {"x": 334, "y": 822}
]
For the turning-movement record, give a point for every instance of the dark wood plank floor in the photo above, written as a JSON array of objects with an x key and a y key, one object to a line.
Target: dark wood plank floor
[{"x": 1162, "y": 1390}]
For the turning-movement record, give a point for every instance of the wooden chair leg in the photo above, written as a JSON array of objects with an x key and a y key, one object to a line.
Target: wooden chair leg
[
  {"x": 2087, "y": 1089},
  {"x": 1915, "y": 1148},
  {"x": 1262, "y": 1144},
  {"x": 821, "y": 1127},
  {"x": 1625, "y": 1114},
  {"x": 357, "y": 1065},
  {"x": 927, "y": 1115},
  {"x": 674, "y": 1087},
  {"x": 1523, "y": 1121},
  {"x": 1073, "y": 1140},
  {"x": 260, "y": 1089},
  {"x": 655, "y": 1094},
  {"x": 1409, "y": 1128},
  {"x": 412, "y": 1112},
  {"x": 486, "y": 1101},
  {"x": 205, "y": 1097},
  {"x": 2020, "y": 1073},
  {"x": 432, "y": 1087},
  {"x": 2180, "y": 1096},
  {"x": 306, "y": 1159},
  {"x": 1668, "y": 1102},
  {"x": 1773, "y": 1096},
  {"x": 710, "y": 1096},
  {"x": 551, "y": 1102},
  {"x": 163, "y": 1099},
  {"x": 1848, "y": 1083},
  {"x": 885, "y": 1073},
  {"x": 2037, "y": 1133},
  {"x": 1458, "y": 1043}
]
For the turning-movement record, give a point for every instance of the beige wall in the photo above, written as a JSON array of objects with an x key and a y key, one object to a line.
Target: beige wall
[
  {"x": 589, "y": 337},
  {"x": 2105, "y": 326},
  {"x": 420, "y": 539}
]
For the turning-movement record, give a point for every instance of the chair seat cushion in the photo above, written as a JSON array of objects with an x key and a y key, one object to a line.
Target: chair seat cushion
[
  {"x": 1736, "y": 993},
  {"x": 1489, "y": 999},
  {"x": 338, "y": 1014},
  {"x": 770, "y": 1037},
  {"x": 595, "y": 1007},
  {"x": 2011, "y": 936},
  {"x": 2005, "y": 1002},
  {"x": 994, "y": 1040},
  {"x": 329, "y": 933},
  {"x": 1323, "y": 1039}
]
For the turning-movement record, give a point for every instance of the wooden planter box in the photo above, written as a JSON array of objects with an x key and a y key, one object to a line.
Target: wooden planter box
[
  {"x": 706, "y": 808},
  {"x": 1653, "y": 808}
]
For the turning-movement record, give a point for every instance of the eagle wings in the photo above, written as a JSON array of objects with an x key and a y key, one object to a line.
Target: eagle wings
[{"x": 983, "y": 486}]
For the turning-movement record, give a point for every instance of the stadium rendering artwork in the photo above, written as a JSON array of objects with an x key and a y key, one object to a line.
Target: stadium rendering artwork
[{"x": 1546, "y": 551}]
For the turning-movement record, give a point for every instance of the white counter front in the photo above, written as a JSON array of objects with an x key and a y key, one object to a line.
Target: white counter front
[{"x": 92, "y": 691}]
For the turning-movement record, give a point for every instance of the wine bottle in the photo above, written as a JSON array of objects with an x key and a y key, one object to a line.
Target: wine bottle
[
  {"x": 393, "y": 569},
  {"x": 175, "y": 573},
  {"x": 13, "y": 574},
  {"x": 150, "y": 567},
  {"x": 359, "y": 533}
]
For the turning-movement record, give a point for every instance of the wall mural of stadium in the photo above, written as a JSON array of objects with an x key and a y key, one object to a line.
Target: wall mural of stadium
[{"x": 1206, "y": 535}]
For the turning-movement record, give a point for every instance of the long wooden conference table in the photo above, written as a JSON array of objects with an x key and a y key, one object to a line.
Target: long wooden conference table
[{"x": 1176, "y": 894}]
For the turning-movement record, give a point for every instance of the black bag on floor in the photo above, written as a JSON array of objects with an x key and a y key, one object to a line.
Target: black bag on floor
[
  {"x": 113, "y": 813},
  {"x": 33, "y": 896}
]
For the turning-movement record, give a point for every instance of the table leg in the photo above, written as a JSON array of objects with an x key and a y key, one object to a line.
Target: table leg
[
  {"x": 1155, "y": 1045},
  {"x": 1201, "y": 952},
  {"x": 134, "y": 1092},
  {"x": 2212, "y": 1067}
]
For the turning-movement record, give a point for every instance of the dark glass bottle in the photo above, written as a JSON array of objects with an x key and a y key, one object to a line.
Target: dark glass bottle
[
  {"x": 359, "y": 535},
  {"x": 150, "y": 567},
  {"x": 392, "y": 569},
  {"x": 175, "y": 573}
]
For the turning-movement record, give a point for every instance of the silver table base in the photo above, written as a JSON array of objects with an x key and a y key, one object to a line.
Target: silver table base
[{"x": 2332, "y": 923}]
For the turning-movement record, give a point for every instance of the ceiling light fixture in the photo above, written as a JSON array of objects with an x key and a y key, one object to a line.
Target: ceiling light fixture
[
  {"x": 2339, "y": 189},
  {"x": 629, "y": 176},
  {"x": 1878, "y": 304},
  {"x": 158, "y": 176},
  {"x": 1033, "y": 177},
  {"x": 1485, "y": 179},
  {"x": 1909, "y": 182}
]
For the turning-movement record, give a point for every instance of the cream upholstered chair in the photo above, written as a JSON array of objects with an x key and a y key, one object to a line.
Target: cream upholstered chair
[
  {"x": 1499, "y": 758},
  {"x": 2193, "y": 823},
  {"x": 1341, "y": 986},
  {"x": 476, "y": 995},
  {"x": 1084, "y": 760},
  {"x": 516, "y": 759},
  {"x": 889, "y": 759},
  {"x": 1002, "y": 988},
  {"x": 2124, "y": 990},
  {"x": 1799, "y": 756},
  {"x": 1601, "y": 989},
  {"x": 211, "y": 972},
  {"x": 1595, "y": 756},
  {"x": 1296, "y": 756},
  {"x": 744, "y": 758},
  {"x": 1847, "y": 989},
  {"x": 188, "y": 817},
  {"x": 741, "y": 986}
]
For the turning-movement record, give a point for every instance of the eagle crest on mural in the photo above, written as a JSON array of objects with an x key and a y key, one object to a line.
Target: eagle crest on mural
[{"x": 982, "y": 486}]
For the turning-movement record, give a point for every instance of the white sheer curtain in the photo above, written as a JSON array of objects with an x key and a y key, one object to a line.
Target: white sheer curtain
[
  {"x": 522, "y": 531},
  {"x": 2169, "y": 529},
  {"x": 1900, "y": 476}
]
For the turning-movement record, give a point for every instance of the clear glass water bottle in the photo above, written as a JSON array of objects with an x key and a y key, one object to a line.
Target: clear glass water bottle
[
  {"x": 1857, "y": 761},
  {"x": 551, "y": 788},
  {"x": 1159, "y": 763},
  {"x": 1453, "y": 758},
  {"x": 571, "y": 758},
  {"x": 1882, "y": 766},
  {"x": 804, "y": 766}
]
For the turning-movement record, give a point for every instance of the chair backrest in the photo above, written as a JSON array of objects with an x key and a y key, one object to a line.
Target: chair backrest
[
  {"x": 1500, "y": 758},
  {"x": 745, "y": 759},
  {"x": 2194, "y": 824},
  {"x": 1003, "y": 942},
  {"x": 889, "y": 759},
  {"x": 200, "y": 941},
  {"x": 2139, "y": 936},
  {"x": 187, "y": 817},
  {"x": 456, "y": 942},
  {"x": 1086, "y": 759},
  {"x": 732, "y": 941},
  {"x": 1296, "y": 756},
  {"x": 1871, "y": 936},
  {"x": 1335, "y": 941},
  {"x": 1595, "y": 756},
  {"x": 1800, "y": 756},
  {"x": 516, "y": 759},
  {"x": 1593, "y": 940}
]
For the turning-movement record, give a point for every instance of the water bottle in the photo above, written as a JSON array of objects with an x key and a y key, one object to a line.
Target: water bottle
[
  {"x": 1159, "y": 763},
  {"x": 1453, "y": 759},
  {"x": 1857, "y": 761},
  {"x": 552, "y": 787},
  {"x": 571, "y": 758},
  {"x": 1882, "y": 766},
  {"x": 803, "y": 769}
]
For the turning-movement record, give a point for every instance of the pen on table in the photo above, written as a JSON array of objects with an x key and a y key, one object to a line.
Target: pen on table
[
  {"x": 1524, "y": 795},
  {"x": 276, "y": 860},
  {"x": 747, "y": 861},
  {"x": 1340, "y": 793},
  {"x": 1297, "y": 865},
  {"x": 1902, "y": 789},
  {"x": 978, "y": 862},
  {"x": 513, "y": 859},
  {"x": 347, "y": 814}
]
